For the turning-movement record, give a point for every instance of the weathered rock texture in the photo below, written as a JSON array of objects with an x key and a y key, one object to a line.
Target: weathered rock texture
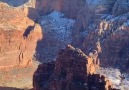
[
  {"x": 72, "y": 70},
  {"x": 97, "y": 27},
  {"x": 18, "y": 39},
  {"x": 69, "y": 7},
  {"x": 106, "y": 35},
  {"x": 18, "y": 36},
  {"x": 101, "y": 31}
]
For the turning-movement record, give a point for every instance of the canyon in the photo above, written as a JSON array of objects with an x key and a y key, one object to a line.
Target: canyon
[{"x": 34, "y": 31}]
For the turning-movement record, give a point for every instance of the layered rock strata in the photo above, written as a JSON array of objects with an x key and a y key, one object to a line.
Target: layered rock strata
[
  {"x": 19, "y": 35},
  {"x": 18, "y": 39}
]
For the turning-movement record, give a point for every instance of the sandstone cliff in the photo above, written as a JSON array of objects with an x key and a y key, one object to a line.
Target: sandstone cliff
[
  {"x": 18, "y": 38},
  {"x": 19, "y": 35}
]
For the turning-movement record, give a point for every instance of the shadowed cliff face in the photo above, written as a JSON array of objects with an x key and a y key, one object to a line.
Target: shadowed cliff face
[
  {"x": 72, "y": 70},
  {"x": 69, "y": 7},
  {"x": 57, "y": 31},
  {"x": 103, "y": 32}
]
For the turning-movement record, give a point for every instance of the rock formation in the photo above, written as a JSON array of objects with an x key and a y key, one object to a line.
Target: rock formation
[
  {"x": 72, "y": 70},
  {"x": 105, "y": 32},
  {"x": 19, "y": 35},
  {"x": 100, "y": 29},
  {"x": 69, "y": 7},
  {"x": 18, "y": 38}
]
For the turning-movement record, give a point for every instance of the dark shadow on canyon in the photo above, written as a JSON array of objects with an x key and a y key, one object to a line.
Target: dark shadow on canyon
[
  {"x": 46, "y": 49},
  {"x": 15, "y": 3},
  {"x": 33, "y": 15},
  {"x": 28, "y": 31}
]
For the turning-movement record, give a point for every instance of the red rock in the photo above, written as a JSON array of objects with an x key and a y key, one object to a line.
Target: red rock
[
  {"x": 73, "y": 71},
  {"x": 16, "y": 48},
  {"x": 18, "y": 38}
]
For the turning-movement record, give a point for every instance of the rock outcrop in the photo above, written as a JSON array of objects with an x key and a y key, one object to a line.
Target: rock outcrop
[
  {"x": 72, "y": 70},
  {"x": 109, "y": 40},
  {"x": 69, "y": 8},
  {"x": 104, "y": 33},
  {"x": 19, "y": 35},
  {"x": 18, "y": 38}
]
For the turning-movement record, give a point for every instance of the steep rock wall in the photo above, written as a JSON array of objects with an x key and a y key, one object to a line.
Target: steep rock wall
[
  {"x": 18, "y": 36},
  {"x": 69, "y": 7},
  {"x": 104, "y": 33}
]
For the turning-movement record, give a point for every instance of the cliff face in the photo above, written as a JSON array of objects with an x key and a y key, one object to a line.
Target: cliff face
[
  {"x": 18, "y": 36},
  {"x": 72, "y": 8},
  {"x": 109, "y": 39},
  {"x": 105, "y": 32},
  {"x": 72, "y": 70},
  {"x": 69, "y": 8}
]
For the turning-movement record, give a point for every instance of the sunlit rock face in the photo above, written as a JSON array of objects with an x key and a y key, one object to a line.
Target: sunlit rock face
[
  {"x": 72, "y": 70},
  {"x": 18, "y": 38},
  {"x": 19, "y": 35}
]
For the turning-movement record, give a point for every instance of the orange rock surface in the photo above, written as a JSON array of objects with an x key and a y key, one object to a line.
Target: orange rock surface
[{"x": 18, "y": 37}]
